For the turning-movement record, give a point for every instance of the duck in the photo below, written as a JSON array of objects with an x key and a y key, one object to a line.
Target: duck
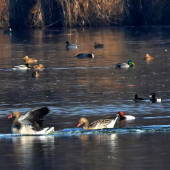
[
  {"x": 8, "y": 31},
  {"x": 22, "y": 67},
  {"x": 98, "y": 45},
  {"x": 71, "y": 46},
  {"x": 125, "y": 65},
  {"x": 127, "y": 117},
  {"x": 107, "y": 122},
  {"x": 137, "y": 99},
  {"x": 154, "y": 99},
  {"x": 31, "y": 123},
  {"x": 35, "y": 74},
  {"x": 148, "y": 57},
  {"x": 38, "y": 67},
  {"x": 85, "y": 55},
  {"x": 30, "y": 60}
]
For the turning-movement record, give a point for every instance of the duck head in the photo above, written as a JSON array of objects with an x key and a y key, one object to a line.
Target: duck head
[
  {"x": 83, "y": 121},
  {"x": 131, "y": 63},
  {"x": 153, "y": 95},
  {"x": 26, "y": 57},
  {"x": 67, "y": 42},
  {"x": 136, "y": 96},
  {"x": 27, "y": 65},
  {"x": 15, "y": 114},
  {"x": 121, "y": 115}
]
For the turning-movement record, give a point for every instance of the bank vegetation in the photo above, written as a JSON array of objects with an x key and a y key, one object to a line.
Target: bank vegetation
[{"x": 71, "y": 13}]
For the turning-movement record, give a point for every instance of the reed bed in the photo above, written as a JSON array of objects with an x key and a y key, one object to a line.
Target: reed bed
[{"x": 70, "y": 13}]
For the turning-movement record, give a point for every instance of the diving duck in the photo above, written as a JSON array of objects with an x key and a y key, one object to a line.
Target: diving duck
[
  {"x": 137, "y": 99},
  {"x": 38, "y": 67},
  {"x": 123, "y": 117},
  {"x": 98, "y": 45},
  {"x": 31, "y": 123},
  {"x": 125, "y": 65},
  {"x": 35, "y": 74},
  {"x": 71, "y": 46},
  {"x": 22, "y": 67},
  {"x": 154, "y": 99},
  {"x": 84, "y": 55},
  {"x": 30, "y": 60},
  {"x": 148, "y": 57},
  {"x": 107, "y": 122}
]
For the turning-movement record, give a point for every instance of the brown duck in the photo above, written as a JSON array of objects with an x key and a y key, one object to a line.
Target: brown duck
[
  {"x": 107, "y": 122},
  {"x": 29, "y": 60}
]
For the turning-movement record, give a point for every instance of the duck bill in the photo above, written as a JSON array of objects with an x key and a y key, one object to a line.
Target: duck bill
[
  {"x": 9, "y": 117},
  {"x": 150, "y": 96},
  {"x": 133, "y": 63},
  {"x": 79, "y": 125}
]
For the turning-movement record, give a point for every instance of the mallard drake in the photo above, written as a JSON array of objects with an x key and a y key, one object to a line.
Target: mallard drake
[
  {"x": 127, "y": 117},
  {"x": 30, "y": 60},
  {"x": 9, "y": 31},
  {"x": 137, "y": 99},
  {"x": 125, "y": 65},
  {"x": 38, "y": 67},
  {"x": 148, "y": 57},
  {"x": 84, "y": 55},
  {"x": 98, "y": 45},
  {"x": 35, "y": 74},
  {"x": 31, "y": 123},
  {"x": 154, "y": 99},
  {"x": 107, "y": 122},
  {"x": 71, "y": 46},
  {"x": 22, "y": 67}
]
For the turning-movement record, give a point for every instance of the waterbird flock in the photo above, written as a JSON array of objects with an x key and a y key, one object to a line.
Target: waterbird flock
[{"x": 32, "y": 122}]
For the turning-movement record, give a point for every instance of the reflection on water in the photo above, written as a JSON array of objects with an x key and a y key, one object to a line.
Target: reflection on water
[
  {"x": 29, "y": 151},
  {"x": 91, "y": 88}
]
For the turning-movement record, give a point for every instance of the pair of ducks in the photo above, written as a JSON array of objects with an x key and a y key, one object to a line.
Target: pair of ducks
[
  {"x": 75, "y": 46},
  {"x": 32, "y": 122},
  {"x": 153, "y": 98}
]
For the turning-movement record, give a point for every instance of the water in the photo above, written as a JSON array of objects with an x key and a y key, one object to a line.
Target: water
[{"x": 91, "y": 88}]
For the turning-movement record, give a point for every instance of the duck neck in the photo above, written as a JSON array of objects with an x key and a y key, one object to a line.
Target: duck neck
[
  {"x": 86, "y": 125},
  {"x": 15, "y": 122}
]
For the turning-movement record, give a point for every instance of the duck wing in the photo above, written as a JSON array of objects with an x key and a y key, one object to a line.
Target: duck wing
[
  {"x": 104, "y": 123},
  {"x": 34, "y": 118}
]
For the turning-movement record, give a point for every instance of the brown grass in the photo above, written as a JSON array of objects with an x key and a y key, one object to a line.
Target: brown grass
[{"x": 69, "y": 13}]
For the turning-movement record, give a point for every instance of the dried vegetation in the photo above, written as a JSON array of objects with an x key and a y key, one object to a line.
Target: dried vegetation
[{"x": 69, "y": 13}]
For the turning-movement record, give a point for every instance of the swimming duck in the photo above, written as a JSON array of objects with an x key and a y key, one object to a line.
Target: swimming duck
[
  {"x": 38, "y": 67},
  {"x": 137, "y": 99},
  {"x": 107, "y": 122},
  {"x": 125, "y": 65},
  {"x": 84, "y": 55},
  {"x": 71, "y": 46},
  {"x": 35, "y": 74},
  {"x": 148, "y": 57},
  {"x": 154, "y": 99},
  {"x": 31, "y": 123},
  {"x": 98, "y": 45},
  {"x": 123, "y": 117},
  {"x": 22, "y": 67},
  {"x": 9, "y": 31},
  {"x": 30, "y": 60}
]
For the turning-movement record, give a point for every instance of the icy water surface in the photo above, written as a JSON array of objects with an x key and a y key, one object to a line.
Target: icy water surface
[{"x": 91, "y": 88}]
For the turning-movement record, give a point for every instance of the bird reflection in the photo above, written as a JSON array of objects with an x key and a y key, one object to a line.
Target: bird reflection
[
  {"x": 97, "y": 139},
  {"x": 31, "y": 149}
]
